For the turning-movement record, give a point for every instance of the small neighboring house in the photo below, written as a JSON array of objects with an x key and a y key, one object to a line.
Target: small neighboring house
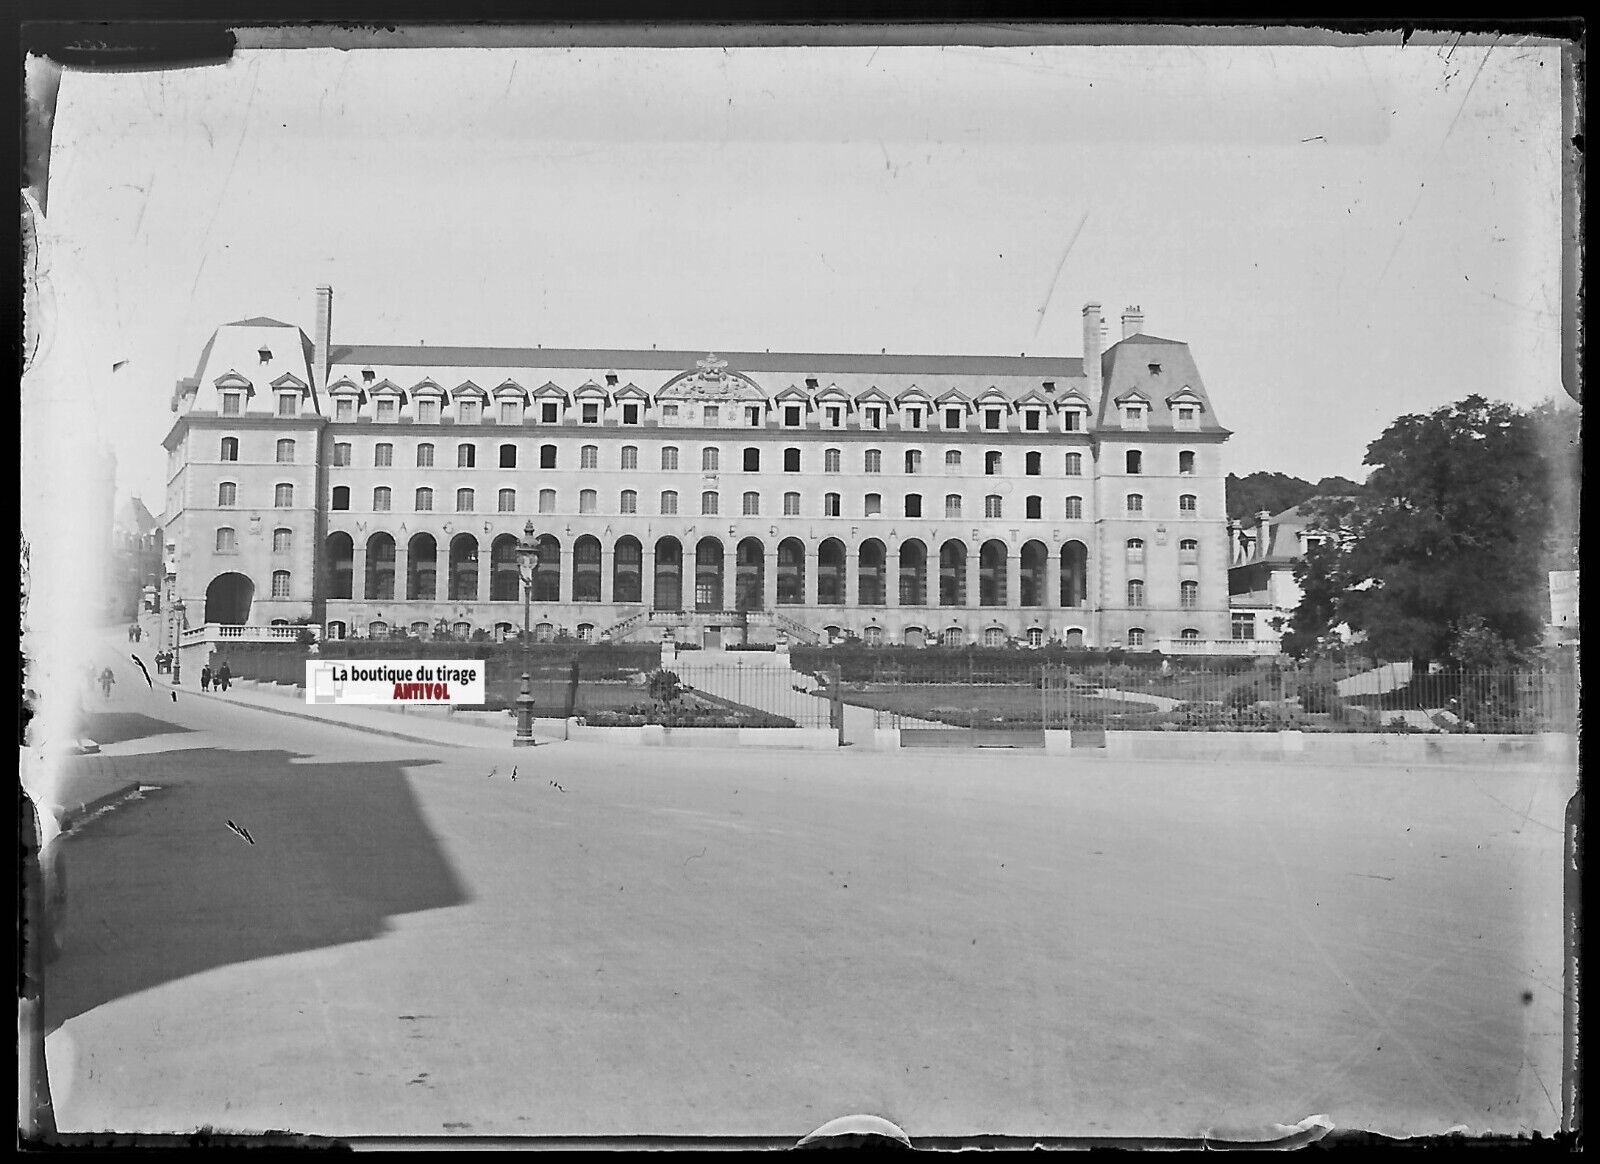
[{"x": 1262, "y": 592}]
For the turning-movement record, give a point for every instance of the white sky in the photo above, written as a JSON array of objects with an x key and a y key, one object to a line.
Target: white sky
[{"x": 1342, "y": 234}]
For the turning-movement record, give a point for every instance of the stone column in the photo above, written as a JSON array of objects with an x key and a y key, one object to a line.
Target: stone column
[
  {"x": 358, "y": 569},
  {"x": 565, "y": 558},
  {"x": 974, "y": 596},
  {"x": 891, "y": 576},
  {"x": 852, "y": 577},
  {"x": 769, "y": 579},
  {"x": 485, "y": 551},
  {"x": 1052, "y": 580},
  {"x": 647, "y": 577},
  {"x": 730, "y": 574},
  {"x": 402, "y": 566},
  {"x": 1013, "y": 595},
  {"x": 608, "y": 561},
  {"x": 809, "y": 571}
]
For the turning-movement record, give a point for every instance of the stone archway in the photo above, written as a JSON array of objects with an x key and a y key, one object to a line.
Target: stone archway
[{"x": 228, "y": 600}]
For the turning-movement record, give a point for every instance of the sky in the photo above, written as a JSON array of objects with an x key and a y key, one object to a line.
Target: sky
[{"x": 1341, "y": 233}]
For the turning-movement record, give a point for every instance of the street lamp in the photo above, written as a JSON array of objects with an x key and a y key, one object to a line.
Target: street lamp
[
  {"x": 527, "y": 566},
  {"x": 178, "y": 612}
]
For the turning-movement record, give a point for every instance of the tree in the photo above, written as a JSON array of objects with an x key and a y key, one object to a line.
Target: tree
[
  {"x": 1275, "y": 492},
  {"x": 1450, "y": 534}
]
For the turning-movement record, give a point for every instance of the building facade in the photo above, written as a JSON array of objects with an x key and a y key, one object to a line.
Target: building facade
[{"x": 901, "y": 499}]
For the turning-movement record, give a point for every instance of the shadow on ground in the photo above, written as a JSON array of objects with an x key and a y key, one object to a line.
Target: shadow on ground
[
  {"x": 162, "y": 888},
  {"x": 115, "y": 727}
]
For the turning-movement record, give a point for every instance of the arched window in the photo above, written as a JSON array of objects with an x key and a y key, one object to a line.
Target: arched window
[
  {"x": 630, "y": 456},
  {"x": 230, "y": 449},
  {"x": 382, "y": 455},
  {"x": 1074, "y": 508},
  {"x": 227, "y": 495},
  {"x": 1135, "y": 548},
  {"x": 752, "y": 460},
  {"x": 547, "y": 501},
  {"x": 588, "y": 457},
  {"x": 1136, "y": 503},
  {"x": 952, "y": 505},
  {"x": 588, "y": 500},
  {"x": 994, "y": 637},
  {"x": 425, "y": 456},
  {"x": 629, "y": 502},
  {"x": 280, "y": 584},
  {"x": 508, "y": 456},
  {"x": 708, "y": 503},
  {"x": 508, "y": 501},
  {"x": 1190, "y": 635},
  {"x": 1135, "y": 592},
  {"x": 830, "y": 460},
  {"x": 464, "y": 501},
  {"x": 669, "y": 457},
  {"x": 913, "y": 505},
  {"x": 1135, "y": 461},
  {"x": 830, "y": 505},
  {"x": 282, "y": 541},
  {"x": 380, "y": 499},
  {"x": 752, "y": 504},
  {"x": 225, "y": 541},
  {"x": 1136, "y": 636},
  {"x": 1035, "y": 635},
  {"x": 1186, "y": 463},
  {"x": 669, "y": 502},
  {"x": 547, "y": 456},
  {"x": 709, "y": 460},
  {"x": 872, "y": 461},
  {"x": 791, "y": 460},
  {"x": 873, "y": 505},
  {"x": 285, "y": 452},
  {"x": 1189, "y": 594},
  {"x": 1034, "y": 507},
  {"x": 791, "y": 505},
  {"x": 872, "y": 636},
  {"x": 993, "y": 506},
  {"x": 1188, "y": 550},
  {"x": 1188, "y": 503},
  {"x": 991, "y": 464},
  {"x": 1033, "y": 464},
  {"x": 283, "y": 495},
  {"x": 424, "y": 500},
  {"x": 954, "y": 636},
  {"x": 466, "y": 456},
  {"x": 952, "y": 461},
  {"x": 341, "y": 455},
  {"x": 1074, "y": 464},
  {"x": 913, "y": 461}
]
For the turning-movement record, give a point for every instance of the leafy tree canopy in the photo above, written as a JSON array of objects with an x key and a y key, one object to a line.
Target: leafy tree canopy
[
  {"x": 1444, "y": 556},
  {"x": 1275, "y": 492}
]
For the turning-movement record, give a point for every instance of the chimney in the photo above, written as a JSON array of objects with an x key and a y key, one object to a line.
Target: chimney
[
  {"x": 323, "y": 339},
  {"x": 1091, "y": 348},
  {"x": 1132, "y": 321}
]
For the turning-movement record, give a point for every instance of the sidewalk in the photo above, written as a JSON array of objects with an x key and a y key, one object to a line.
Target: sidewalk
[{"x": 436, "y": 726}]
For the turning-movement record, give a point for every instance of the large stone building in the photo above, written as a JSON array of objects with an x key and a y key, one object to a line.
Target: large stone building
[{"x": 904, "y": 499}]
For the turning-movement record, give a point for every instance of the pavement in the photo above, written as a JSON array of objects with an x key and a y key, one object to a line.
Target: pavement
[{"x": 335, "y": 933}]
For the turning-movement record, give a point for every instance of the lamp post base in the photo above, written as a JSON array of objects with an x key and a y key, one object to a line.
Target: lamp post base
[{"x": 524, "y": 737}]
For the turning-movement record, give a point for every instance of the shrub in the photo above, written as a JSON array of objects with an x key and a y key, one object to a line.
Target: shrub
[
  {"x": 1319, "y": 697},
  {"x": 665, "y": 687},
  {"x": 1243, "y": 696}
]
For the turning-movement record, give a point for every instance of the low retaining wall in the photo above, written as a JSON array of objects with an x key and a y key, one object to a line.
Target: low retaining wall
[
  {"x": 655, "y": 735},
  {"x": 1339, "y": 747}
]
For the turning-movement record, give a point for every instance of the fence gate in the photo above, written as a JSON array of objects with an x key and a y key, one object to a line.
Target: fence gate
[{"x": 962, "y": 706}]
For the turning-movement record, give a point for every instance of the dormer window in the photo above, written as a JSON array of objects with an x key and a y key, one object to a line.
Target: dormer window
[
  {"x": 344, "y": 409},
  {"x": 913, "y": 417},
  {"x": 1155, "y": 369},
  {"x": 1072, "y": 420},
  {"x": 952, "y": 418},
  {"x": 874, "y": 416},
  {"x": 811, "y": 382},
  {"x": 1188, "y": 416},
  {"x": 1031, "y": 421},
  {"x": 386, "y": 410},
  {"x": 232, "y": 403},
  {"x": 467, "y": 412},
  {"x": 611, "y": 379},
  {"x": 991, "y": 418},
  {"x": 591, "y": 414},
  {"x": 791, "y": 416},
  {"x": 510, "y": 412},
  {"x": 368, "y": 376},
  {"x": 427, "y": 411},
  {"x": 835, "y": 415},
  {"x": 287, "y": 403},
  {"x": 549, "y": 412},
  {"x": 265, "y": 354},
  {"x": 1133, "y": 416},
  {"x": 752, "y": 415},
  {"x": 1050, "y": 386},
  {"x": 630, "y": 414}
]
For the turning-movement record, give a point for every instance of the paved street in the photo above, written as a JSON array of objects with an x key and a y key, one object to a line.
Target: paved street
[{"x": 691, "y": 942}]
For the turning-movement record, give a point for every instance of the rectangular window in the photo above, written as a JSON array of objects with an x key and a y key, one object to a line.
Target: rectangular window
[
  {"x": 425, "y": 456},
  {"x": 873, "y": 506},
  {"x": 752, "y": 460},
  {"x": 830, "y": 461},
  {"x": 225, "y": 541},
  {"x": 466, "y": 456},
  {"x": 386, "y": 409},
  {"x": 752, "y": 504},
  {"x": 1035, "y": 507},
  {"x": 830, "y": 505},
  {"x": 1187, "y": 417},
  {"x": 547, "y": 456},
  {"x": 791, "y": 416},
  {"x": 991, "y": 418},
  {"x": 711, "y": 414},
  {"x": 629, "y": 502},
  {"x": 913, "y": 461},
  {"x": 1072, "y": 420},
  {"x": 1244, "y": 626},
  {"x": 282, "y": 541},
  {"x": 547, "y": 501},
  {"x": 669, "y": 502},
  {"x": 669, "y": 458},
  {"x": 231, "y": 403},
  {"x": 589, "y": 457},
  {"x": 283, "y": 496},
  {"x": 1135, "y": 503},
  {"x": 952, "y": 418},
  {"x": 1188, "y": 503},
  {"x": 588, "y": 501},
  {"x": 427, "y": 411},
  {"x": 669, "y": 412},
  {"x": 344, "y": 410},
  {"x": 287, "y": 402},
  {"x": 464, "y": 501},
  {"x": 752, "y": 415},
  {"x": 952, "y": 505},
  {"x": 874, "y": 417},
  {"x": 709, "y": 459},
  {"x": 510, "y": 412},
  {"x": 380, "y": 499},
  {"x": 913, "y": 505},
  {"x": 1030, "y": 420},
  {"x": 467, "y": 412},
  {"x": 508, "y": 501},
  {"x": 424, "y": 500},
  {"x": 630, "y": 414},
  {"x": 383, "y": 455},
  {"x": 280, "y": 584},
  {"x": 630, "y": 457},
  {"x": 1133, "y": 416},
  {"x": 872, "y": 461},
  {"x": 791, "y": 460},
  {"x": 708, "y": 504},
  {"x": 913, "y": 418},
  {"x": 1074, "y": 509},
  {"x": 549, "y": 412},
  {"x": 992, "y": 506},
  {"x": 791, "y": 505},
  {"x": 285, "y": 452},
  {"x": 591, "y": 414},
  {"x": 835, "y": 415}
]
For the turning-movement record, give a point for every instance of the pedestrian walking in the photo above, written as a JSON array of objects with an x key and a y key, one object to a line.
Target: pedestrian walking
[
  {"x": 224, "y": 676},
  {"x": 130, "y": 631},
  {"x": 106, "y": 680},
  {"x": 138, "y": 633},
  {"x": 205, "y": 677}
]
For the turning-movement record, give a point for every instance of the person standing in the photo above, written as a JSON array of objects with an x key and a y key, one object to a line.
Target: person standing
[
  {"x": 106, "y": 680},
  {"x": 205, "y": 677},
  {"x": 224, "y": 676}
]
